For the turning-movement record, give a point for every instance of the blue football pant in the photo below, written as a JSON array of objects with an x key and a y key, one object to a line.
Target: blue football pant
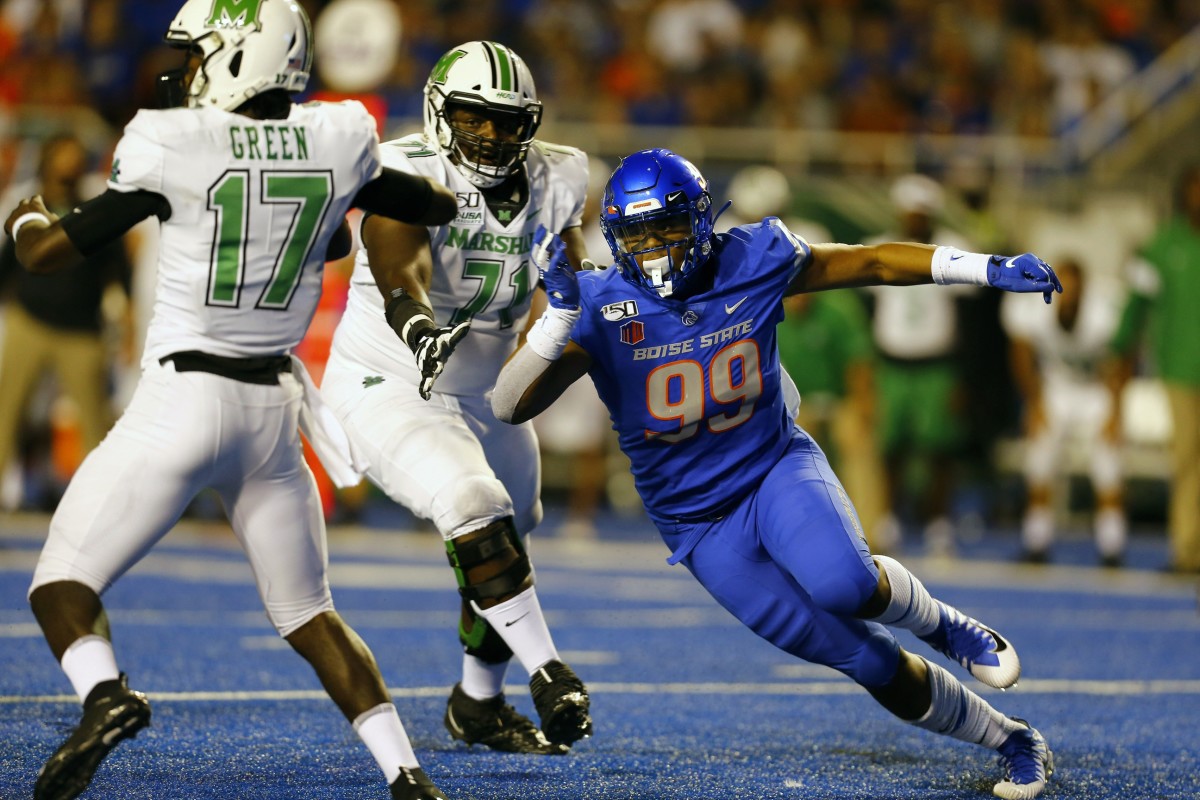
[{"x": 791, "y": 564}]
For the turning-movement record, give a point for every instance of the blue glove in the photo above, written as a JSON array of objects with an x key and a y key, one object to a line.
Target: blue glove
[
  {"x": 1023, "y": 273},
  {"x": 554, "y": 271}
]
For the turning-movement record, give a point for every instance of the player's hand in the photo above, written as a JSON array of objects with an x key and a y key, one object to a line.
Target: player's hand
[
  {"x": 554, "y": 271},
  {"x": 433, "y": 351},
  {"x": 32, "y": 205},
  {"x": 1023, "y": 273}
]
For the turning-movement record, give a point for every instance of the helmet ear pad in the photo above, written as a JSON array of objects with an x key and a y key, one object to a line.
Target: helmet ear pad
[{"x": 647, "y": 187}]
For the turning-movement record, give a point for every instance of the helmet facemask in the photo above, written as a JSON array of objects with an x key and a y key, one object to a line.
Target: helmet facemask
[
  {"x": 492, "y": 158},
  {"x": 657, "y": 245}
]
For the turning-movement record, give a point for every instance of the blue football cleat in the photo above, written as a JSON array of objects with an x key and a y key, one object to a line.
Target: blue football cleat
[
  {"x": 1027, "y": 762},
  {"x": 986, "y": 654}
]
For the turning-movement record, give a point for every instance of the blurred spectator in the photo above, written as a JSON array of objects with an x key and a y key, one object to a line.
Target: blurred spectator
[
  {"x": 56, "y": 321},
  {"x": 575, "y": 431},
  {"x": 916, "y": 332},
  {"x": 825, "y": 345},
  {"x": 686, "y": 33},
  {"x": 1165, "y": 294},
  {"x": 1083, "y": 65},
  {"x": 1057, "y": 354}
]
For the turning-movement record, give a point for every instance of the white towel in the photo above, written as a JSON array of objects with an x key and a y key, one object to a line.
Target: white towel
[{"x": 343, "y": 463}]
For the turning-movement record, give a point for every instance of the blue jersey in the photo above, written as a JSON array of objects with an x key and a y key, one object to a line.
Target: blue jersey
[{"x": 693, "y": 386}]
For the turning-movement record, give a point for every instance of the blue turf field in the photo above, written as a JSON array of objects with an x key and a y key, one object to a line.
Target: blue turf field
[{"x": 687, "y": 704}]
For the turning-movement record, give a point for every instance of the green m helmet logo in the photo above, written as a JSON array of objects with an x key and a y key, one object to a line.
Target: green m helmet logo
[
  {"x": 233, "y": 13},
  {"x": 441, "y": 70}
]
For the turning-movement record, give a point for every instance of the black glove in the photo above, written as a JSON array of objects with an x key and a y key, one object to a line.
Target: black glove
[
  {"x": 432, "y": 349},
  {"x": 413, "y": 323}
]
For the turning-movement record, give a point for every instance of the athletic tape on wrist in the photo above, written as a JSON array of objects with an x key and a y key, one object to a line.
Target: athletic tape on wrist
[
  {"x": 28, "y": 216},
  {"x": 951, "y": 265},
  {"x": 549, "y": 335},
  {"x": 412, "y": 313}
]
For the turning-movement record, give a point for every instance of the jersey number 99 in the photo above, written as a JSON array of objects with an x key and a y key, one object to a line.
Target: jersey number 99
[{"x": 734, "y": 377}]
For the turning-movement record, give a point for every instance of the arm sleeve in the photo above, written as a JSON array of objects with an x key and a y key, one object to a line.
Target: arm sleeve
[
  {"x": 108, "y": 217},
  {"x": 518, "y": 375},
  {"x": 397, "y": 195}
]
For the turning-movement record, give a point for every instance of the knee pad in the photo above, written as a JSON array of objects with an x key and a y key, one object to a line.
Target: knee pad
[
  {"x": 469, "y": 504},
  {"x": 876, "y": 660},
  {"x": 490, "y": 563},
  {"x": 843, "y": 593}
]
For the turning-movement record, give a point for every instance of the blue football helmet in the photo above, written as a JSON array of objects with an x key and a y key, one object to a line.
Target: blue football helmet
[{"x": 654, "y": 201}]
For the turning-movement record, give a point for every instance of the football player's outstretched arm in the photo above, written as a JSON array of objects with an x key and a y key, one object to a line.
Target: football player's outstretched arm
[
  {"x": 576, "y": 252},
  {"x": 836, "y": 266},
  {"x": 548, "y": 362},
  {"x": 408, "y": 198},
  {"x": 530, "y": 383},
  {"x": 46, "y": 243}
]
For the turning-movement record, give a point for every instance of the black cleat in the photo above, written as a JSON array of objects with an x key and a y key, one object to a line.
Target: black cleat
[
  {"x": 414, "y": 784},
  {"x": 562, "y": 702},
  {"x": 495, "y": 724},
  {"x": 112, "y": 712}
]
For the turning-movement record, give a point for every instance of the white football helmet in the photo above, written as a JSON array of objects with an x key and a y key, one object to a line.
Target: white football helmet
[
  {"x": 248, "y": 46},
  {"x": 492, "y": 79}
]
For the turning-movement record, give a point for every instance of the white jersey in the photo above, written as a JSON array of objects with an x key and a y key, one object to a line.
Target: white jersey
[
  {"x": 233, "y": 280},
  {"x": 481, "y": 268},
  {"x": 1066, "y": 356},
  {"x": 913, "y": 323}
]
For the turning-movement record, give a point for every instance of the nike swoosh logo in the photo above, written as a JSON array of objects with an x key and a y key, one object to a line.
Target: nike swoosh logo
[
  {"x": 458, "y": 730},
  {"x": 512, "y": 622},
  {"x": 957, "y": 257},
  {"x": 729, "y": 309},
  {"x": 1012, "y": 262}
]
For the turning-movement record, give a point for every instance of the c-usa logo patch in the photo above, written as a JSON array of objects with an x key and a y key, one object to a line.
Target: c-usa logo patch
[{"x": 615, "y": 312}]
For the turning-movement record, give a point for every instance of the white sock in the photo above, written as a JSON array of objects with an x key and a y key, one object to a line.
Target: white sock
[
  {"x": 482, "y": 680},
  {"x": 912, "y": 607},
  {"x": 89, "y": 661},
  {"x": 1111, "y": 532},
  {"x": 957, "y": 711},
  {"x": 520, "y": 623},
  {"x": 1037, "y": 530},
  {"x": 383, "y": 733}
]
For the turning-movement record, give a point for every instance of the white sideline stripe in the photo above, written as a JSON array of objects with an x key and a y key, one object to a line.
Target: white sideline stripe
[{"x": 813, "y": 688}]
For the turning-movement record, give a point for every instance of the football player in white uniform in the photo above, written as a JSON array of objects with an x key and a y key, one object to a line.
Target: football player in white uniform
[
  {"x": 448, "y": 460},
  {"x": 1059, "y": 359},
  {"x": 250, "y": 190}
]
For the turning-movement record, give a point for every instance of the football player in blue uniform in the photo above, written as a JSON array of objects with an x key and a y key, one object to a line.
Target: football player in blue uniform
[{"x": 679, "y": 339}]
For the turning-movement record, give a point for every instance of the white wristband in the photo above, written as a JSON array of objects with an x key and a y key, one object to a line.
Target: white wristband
[
  {"x": 951, "y": 265},
  {"x": 28, "y": 216},
  {"x": 549, "y": 335}
]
